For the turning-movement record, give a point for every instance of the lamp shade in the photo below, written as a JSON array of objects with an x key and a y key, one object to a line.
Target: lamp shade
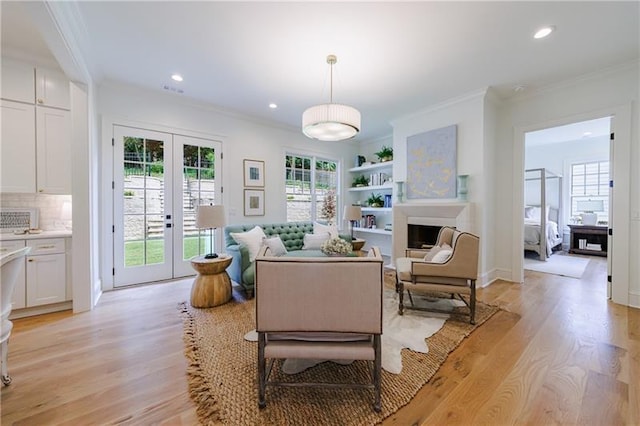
[
  {"x": 331, "y": 122},
  {"x": 352, "y": 213},
  {"x": 210, "y": 217},
  {"x": 590, "y": 206}
]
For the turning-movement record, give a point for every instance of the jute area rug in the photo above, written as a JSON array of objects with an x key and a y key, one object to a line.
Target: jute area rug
[{"x": 223, "y": 380}]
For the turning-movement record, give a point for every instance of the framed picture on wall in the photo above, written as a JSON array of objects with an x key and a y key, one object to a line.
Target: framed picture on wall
[
  {"x": 254, "y": 202},
  {"x": 254, "y": 173}
]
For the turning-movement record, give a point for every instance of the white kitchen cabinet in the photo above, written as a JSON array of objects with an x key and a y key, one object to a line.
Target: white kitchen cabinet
[
  {"x": 52, "y": 89},
  {"x": 46, "y": 277},
  {"x": 18, "y": 300},
  {"x": 18, "y": 82},
  {"x": 18, "y": 148},
  {"x": 53, "y": 150}
]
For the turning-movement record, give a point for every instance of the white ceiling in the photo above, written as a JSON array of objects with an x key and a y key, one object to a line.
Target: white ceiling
[{"x": 393, "y": 58}]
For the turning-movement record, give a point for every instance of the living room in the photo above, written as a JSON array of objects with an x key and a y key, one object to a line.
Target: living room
[{"x": 490, "y": 142}]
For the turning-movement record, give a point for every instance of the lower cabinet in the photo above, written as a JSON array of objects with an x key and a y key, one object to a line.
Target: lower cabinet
[{"x": 44, "y": 278}]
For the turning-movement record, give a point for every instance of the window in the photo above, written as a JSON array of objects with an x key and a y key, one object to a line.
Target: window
[
  {"x": 590, "y": 181},
  {"x": 312, "y": 188}
]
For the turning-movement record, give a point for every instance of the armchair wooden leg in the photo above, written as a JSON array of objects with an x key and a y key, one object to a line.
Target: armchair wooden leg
[
  {"x": 472, "y": 302},
  {"x": 400, "y": 298},
  {"x": 261, "y": 372},
  {"x": 377, "y": 372}
]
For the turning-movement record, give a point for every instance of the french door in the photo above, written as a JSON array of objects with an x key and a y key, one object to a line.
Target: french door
[{"x": 159, "y": 180}]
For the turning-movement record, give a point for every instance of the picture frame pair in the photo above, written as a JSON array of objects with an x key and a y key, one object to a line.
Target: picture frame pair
[{"x": 253, "y": 178}]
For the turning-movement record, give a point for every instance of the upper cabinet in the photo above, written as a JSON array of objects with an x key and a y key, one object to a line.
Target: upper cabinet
[
  {"x": 36, "y": 130},
  {"x": 18, "y": 81},
  {"x": 52, "y": 89}
]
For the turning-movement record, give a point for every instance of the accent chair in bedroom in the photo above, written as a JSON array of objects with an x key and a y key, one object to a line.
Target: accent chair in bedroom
[{"x": 453, "y": 269}]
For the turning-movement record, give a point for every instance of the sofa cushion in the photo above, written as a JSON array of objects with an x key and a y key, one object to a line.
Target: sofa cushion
[
  {"x": 251, "y": 239},
  {"x": 319, "y": 228}
]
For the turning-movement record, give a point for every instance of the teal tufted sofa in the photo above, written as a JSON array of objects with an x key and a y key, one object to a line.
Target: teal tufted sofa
[{"x": 241, "y": 269}]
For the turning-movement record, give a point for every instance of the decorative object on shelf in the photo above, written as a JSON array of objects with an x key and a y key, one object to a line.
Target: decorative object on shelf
[
  {"x": 588, "y": 207},
  {"x": 387, "y": 200},
  {"x": 336, "y": 246},
  {"x": 360, "y": 160},
  {"x": 331, "y": 122},
  {"x": 254, "y": 173},
  {"x": 353, "y": 214},
  {"x": 210, "y": 217},
  {"x": 400, "y": 192},
  {"x": 431, "y": 164},
  {"x": 462, "y": 187},
  {"x": 253, "y": 202},
  {"x": 385, "y": 154},
  {"x": 375, "y": 200},
  {"x": 360, "y": 181}
]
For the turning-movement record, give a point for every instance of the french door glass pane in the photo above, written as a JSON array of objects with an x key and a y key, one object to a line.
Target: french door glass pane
[
  {"x": 198, "y": 187},
  {"x": 143, "y": 201}
]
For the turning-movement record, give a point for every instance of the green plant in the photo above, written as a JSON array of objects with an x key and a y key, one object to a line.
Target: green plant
[
  {"x": 385, "y": 153},
  {"x": 375, "y": 200},
  {"x": 360, "y": 181},
  {"x": 129, "y": 193}
]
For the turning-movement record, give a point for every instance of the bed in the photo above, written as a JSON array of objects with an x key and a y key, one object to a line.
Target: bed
[{"x": 543, "y": 187}]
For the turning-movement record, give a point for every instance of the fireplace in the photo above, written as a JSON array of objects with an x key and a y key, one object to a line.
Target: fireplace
[{"x": 419, "y": 236}]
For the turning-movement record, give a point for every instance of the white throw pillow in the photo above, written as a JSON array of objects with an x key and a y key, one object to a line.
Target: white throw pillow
[
  {"x": 276, "y": 245},
  {"x": 314, "y": 241},
  {"x": 434, "y": 250},
  {"x": 442, "y": 256},
  {"x": 252, "y": 239},
  {"x": 319, "y": 228}
]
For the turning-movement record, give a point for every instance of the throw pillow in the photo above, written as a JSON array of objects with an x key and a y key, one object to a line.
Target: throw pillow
[
  {"x": 319, "y": 228},
  {"x": 252, "y": 239},
  {"x": 443, "y": 255},
  {"x": 314, "y": 241},
  {"x": 276, "y": 245},
  {"x": 434, "y": 250}
]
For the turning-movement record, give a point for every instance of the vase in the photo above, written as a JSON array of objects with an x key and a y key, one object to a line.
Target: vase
[
  {"x": 400, "y": 192},
  {"x": 462, "y": 187}
]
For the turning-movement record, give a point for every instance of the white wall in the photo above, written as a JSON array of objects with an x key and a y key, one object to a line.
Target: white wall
[
  {"x": 613, "y": 91},
  {"x": 241, "y": 139}
]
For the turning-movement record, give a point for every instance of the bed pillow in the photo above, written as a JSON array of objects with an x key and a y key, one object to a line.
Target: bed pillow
[
  {"x": 533, "y": 212},
  {"x": 319, "y": 228},
  {"x": 276, "y": 245},
  {"x": 314, "y": 241},
  {"x": 252, "y": 239}
]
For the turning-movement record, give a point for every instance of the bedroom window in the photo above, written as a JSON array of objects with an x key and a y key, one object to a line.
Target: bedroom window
[
  {"x": 311, "y": 189},
  {"x": 590, "y": 181}
]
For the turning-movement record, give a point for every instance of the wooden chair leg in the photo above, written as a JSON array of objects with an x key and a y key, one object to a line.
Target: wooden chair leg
[
  {"x": 400, "y": 298},
  {"x": 262, "y": 402},
  {"x": 377, "y": 372},
  {"x": 472, "y": 302}
]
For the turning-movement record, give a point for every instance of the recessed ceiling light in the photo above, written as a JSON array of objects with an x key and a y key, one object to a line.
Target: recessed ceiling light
[
  {"x": 176, "y": 77},
  {"x": 543, "y": 32},
  {"x": 273, "y": 106}
]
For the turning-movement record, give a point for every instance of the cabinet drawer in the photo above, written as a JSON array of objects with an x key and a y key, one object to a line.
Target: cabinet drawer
[
  {"x": 9, "y": 246},
  {"x": 46, "y": 246}
]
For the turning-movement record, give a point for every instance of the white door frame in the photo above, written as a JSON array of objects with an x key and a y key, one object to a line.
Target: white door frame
[
  {"x": 106, "y": 178},
  {"x": 621, "y": 121}
]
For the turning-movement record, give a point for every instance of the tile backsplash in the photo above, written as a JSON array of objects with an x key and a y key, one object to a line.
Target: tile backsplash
[{"x": 50, "y": 208}]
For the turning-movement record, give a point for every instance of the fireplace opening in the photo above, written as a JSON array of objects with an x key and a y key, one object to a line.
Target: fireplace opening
[{"x": 422, "y": 236}]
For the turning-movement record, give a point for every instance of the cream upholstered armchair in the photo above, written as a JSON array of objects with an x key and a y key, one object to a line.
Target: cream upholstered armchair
[
  {"x": 323, "y": 308},
  {"x": 450, "y": 268}
]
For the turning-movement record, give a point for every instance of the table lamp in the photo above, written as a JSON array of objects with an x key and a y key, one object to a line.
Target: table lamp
[
  {"x": 352, "y": 214},
  {"x": 588, "y": 207},
  {"x": 210, "y": 217}
]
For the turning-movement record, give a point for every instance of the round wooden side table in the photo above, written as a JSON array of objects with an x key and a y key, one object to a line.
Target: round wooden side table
[
  {"x": 212, "y": 286},
  {"x": 357, "y": 244}
]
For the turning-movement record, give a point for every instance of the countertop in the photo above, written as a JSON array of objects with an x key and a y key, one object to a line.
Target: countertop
[{"x": 10, "y": 236}]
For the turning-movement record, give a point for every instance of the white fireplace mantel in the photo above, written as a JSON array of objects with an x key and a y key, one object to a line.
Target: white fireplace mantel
[{"x": 435, "y": 214}]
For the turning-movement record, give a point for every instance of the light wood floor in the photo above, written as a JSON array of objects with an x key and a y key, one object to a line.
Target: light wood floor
[{"x": 559, "y": 353}]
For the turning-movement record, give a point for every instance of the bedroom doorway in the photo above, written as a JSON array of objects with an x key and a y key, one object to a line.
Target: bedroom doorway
[{"x": 568, "y": 170}]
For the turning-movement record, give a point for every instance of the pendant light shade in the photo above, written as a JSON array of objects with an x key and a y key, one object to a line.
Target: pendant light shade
[{"x": 331, "y": 122}]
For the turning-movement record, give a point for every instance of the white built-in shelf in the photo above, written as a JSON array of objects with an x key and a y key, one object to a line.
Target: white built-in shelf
[
  {"x": 373, "y": 166},
  {"x": 373, "y": 231},
  {"x": 376, "y": 209},
  {"x": 371, "y": 188}
]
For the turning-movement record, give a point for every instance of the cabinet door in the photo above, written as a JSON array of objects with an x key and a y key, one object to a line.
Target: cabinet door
[
  {"x": 18, "y": 82},
  {"x": 46, "y": 279},
  {"x": 19, "y": 293},
  {"x": 53, "y": 142},
  {"x": 52, "y": 88},
  {"x": 18, "y": 148}
]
